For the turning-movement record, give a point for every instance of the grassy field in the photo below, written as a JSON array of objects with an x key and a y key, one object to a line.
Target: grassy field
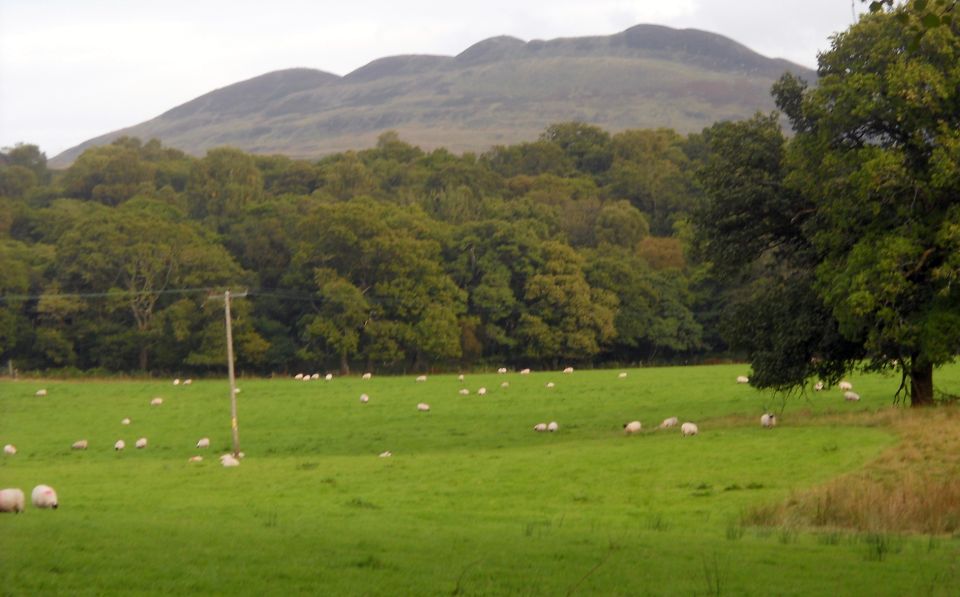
[{"x": 472, "y": 501}]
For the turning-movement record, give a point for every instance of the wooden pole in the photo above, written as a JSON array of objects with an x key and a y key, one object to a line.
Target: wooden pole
[{"x": 233, "y": 381}]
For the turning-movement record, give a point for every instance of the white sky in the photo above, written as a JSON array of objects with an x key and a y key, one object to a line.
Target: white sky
[{"x": 74, "y": 69}]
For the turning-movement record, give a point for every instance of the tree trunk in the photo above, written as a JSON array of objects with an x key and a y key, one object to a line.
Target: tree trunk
[
  {"x": 921, "y": 383},
  {"x": 344, "y": 365},
  {"x": 144, "y": 350}
]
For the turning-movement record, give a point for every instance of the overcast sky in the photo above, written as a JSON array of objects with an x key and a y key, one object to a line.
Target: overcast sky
[{"x": 74, "y": 69}]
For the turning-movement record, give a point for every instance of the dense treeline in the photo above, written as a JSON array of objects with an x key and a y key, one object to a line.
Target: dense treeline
[{"x": 572, "y": 248}]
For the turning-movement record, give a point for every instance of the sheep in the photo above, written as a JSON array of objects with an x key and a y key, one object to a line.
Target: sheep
[
  {"x": 236, "y": 390},
  {"x": 195, "y": 459},
  {"x": 689, "y": 429},
  {"x": 328, "y": 377},
  {"x": 549, "y": 384},
  {"x": 540, "y": 427},
  {"x": 386, "y": 454},
  {"x": 40, "y": 392},
  {"x": 669, "y": 422},
  {"x": 10, "y": 449},
  {"x": 743, "y": 379},
  {"x": 632, "y": 427},
  {"x": 315, "y": 376},
  {"x": 11, "y": 500},
  {"x": 203, "y": 442},
  {"x": 366, "y": 375},
  {"x": 119, "y": 445},
  {"x": 307, "y": 378},
  {"x": 851, "y": 396},
  {"x": 502, "y": 370},
  {"x": 845, "y": 385},
  {"x": 125, "y": 421},
  {"x": 298, "y": 376},
  {"x": 552, "y": 426},
  {"x": 228, "y": 460},
  {"x": 176, "y": 382},
  {"x": 421, "y": 378},
  {"x": 187, "y": 382},
  {"x": 79, "y": 445},
  {"x": 156, "y": 401},
  {"x": 505, "y": 384},
  {"x": 768, "y": 420},
  {"x": 818, "y": 386},
  {"x": 464, "y": 392},
  {"x": 44, "y": 496},
  {"x": 141, "y": 443},
  {"x": 364, "y": 398},
  {"x": 460, "y": 377},
  {"x": 621, "y": 375},
  {"x": 482, "y": 392},
  {"x": 423, "y": 407},
  {"x": 568, "y": 370},
  {"x": 524, "y": 372}
]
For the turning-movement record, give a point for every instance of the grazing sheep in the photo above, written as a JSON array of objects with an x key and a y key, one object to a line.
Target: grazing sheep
[
  {"x": 11, "y": 500},
  {"x": 44, "y": 496},
  {"x": 552, "y": 426},
  {"x": 236, "y": 390},
  {"x": 524, "y": 372},
  {"x": 743, "y": 379},
  {"x": 40, "y": 392},
  {"x": 176, "y": 382},
  {"x": 141, "y": 443},
  {"x": 851, "y": 396},
  {"x": 423, "y": 406},
  {"x": 328, "y": 376},
  {"x": 10, "y": 449},
  {"x": 228, "y": 460},
  {"x": 119, "y": 445},
  {"x": 768, "y": 420},
  {"x": 366, "y": 375},
  {"x": 386, "y": 454},
  {"x": 549, "y": 384},
  {"x": 669, "y": 422},
  {"x": 421, "y": 378},
  {"x": 306, "y": 378},
  {"x": 298, "y": 376},
  {"x": 125, "y": 421},
  {"x": 621, "y": 375},
  {"x": 464, "y": 392},
  {"x": 315, "y": 376},
  {"x": 505, "y": 384},
  {"x": 203, "y": 442},
  {"x": 845, "y": 385},
  {"x": 364, "y": 398},
  {"x": 482, "y": 391},
  {"x": 195, "y": 459},
  {"x": 79, "y": 445},
  {"x": 818, "y": 386},
  {"x": 689, "y": 429},
  {"x": 540, "y": 427},
  {"x": 502, "y": 370},
  {"x": 460, "y": 377},
  {"x": 187, "y": 382},
  {"x": 568, "y": 370},
  {"x": 156, "y": 401},
  {"x": 632, "y": 427}
]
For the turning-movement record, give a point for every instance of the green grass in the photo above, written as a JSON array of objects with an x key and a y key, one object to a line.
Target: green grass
[{"x": 472, "y": 502}]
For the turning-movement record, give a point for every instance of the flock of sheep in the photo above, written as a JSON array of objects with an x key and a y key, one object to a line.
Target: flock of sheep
[{"x": 43, "y": 496}]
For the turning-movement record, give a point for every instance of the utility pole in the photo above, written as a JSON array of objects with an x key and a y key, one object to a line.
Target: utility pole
[{"x": 230, "y": 374}]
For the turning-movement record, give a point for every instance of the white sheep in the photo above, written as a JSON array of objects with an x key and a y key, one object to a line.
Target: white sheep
[
  {"x": 568, "y": 370},
  {"x": 460, "y": 377},
  {"x": 328, "y": 377},
  {"x": 10, "y": 449},
  {"x": 195, "y": 459},
  {"x": 125, "y": 421},
  {"x": 176, "y": 382},
  {"x": 306, "y": 378},
  {"x": 549, "y": 384},
  {"x": 187, "y": 382},
  {"x": 236, "y": 390},
  {"x": 482, "y": 391},
  {"x": 632, "y": 427},
  {"x": 315, "y": 376},
  {"x": 540, "y": 427},
  {"x": 421, "y": 378},
  {"x": 119, "y": 445},
  {"x": 464, "y": 392},
  {"x": 505, "y": 384},
  {"x": 423, "y": 406},
  {"x": 851, "y": 396},
  {"x": 818, "y": 386},
  {"x": 156, "y": 401},
  {"x": 552, "y": 426},
  {"x": 621, "y": 375},
  {"x": 11, "y": 500},
  {"x": 845, "y": 385},
  {"x": 79, "y": 445},
  {"x": 228, "y": 460},
  {"x": 44, "y": 496},
  {"x": 364, "y": 398},
  {"x": 386, "y": 454},
  {"x": 141, "y": 443},
  {"x": 743, "y": 379},
  {"x": 502, "y": 370},
  {"x": 669, "y": 422},
  {"x": 366, "y": 375},
  {"x": 203, "y": 442},
  {"x": 768, "y": 420},
  {"x": 298, "y": 376},
  {"x": 40, "y": 392},
  {"x": 689, "y": 429},
  {"x": 524, "y": 372}
]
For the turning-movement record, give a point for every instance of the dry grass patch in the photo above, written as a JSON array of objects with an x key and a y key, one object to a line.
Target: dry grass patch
[{"x": 913, "y": 487}]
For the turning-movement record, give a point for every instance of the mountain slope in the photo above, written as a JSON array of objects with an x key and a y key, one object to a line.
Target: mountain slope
[{"x": 501, "y": 90}]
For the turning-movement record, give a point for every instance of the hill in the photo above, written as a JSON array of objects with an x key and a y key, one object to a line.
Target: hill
[{"x": 499, "y": 91}]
